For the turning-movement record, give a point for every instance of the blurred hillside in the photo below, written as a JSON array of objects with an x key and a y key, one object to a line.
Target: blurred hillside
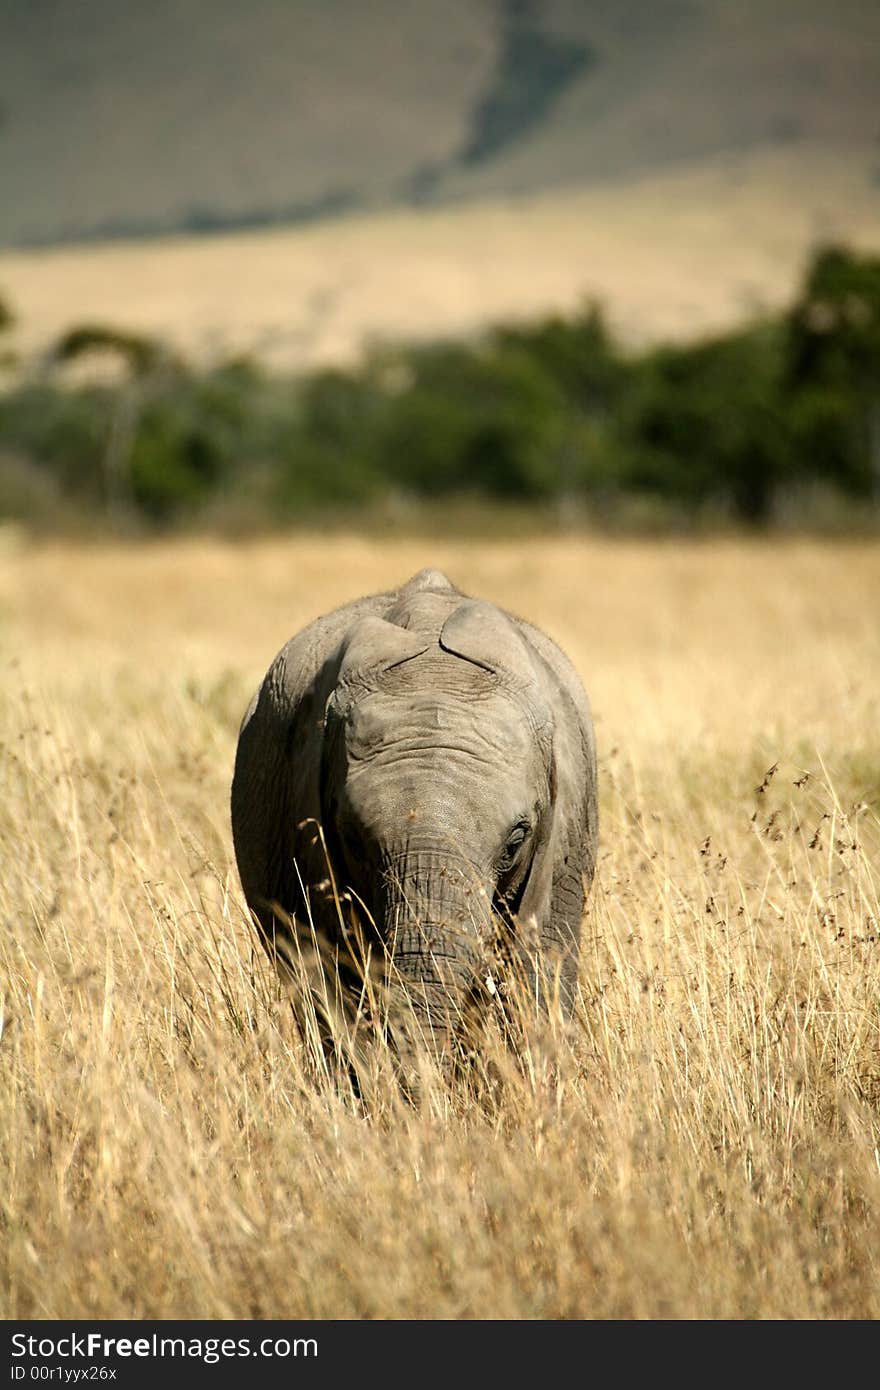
[
  {"x": 671, "y": 255},
  {"x": 204, "y": 114}
]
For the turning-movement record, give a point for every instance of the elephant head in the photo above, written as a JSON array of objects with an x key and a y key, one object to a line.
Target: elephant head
[
  {"x": 438, "y": 788},
  {"x": 446, "y": 750}
]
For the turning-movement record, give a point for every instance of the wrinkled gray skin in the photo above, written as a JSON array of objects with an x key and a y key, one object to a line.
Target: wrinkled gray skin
[{"x": 446, "y": 749}]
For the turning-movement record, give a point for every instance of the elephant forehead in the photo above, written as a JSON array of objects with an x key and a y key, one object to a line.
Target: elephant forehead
[{"x": 383, "y": 721}]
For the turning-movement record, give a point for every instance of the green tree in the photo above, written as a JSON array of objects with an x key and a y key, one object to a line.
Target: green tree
[
  {"x": 327, "y": 454},
  {"x": 487, "y": 420},
  {"x": 833, "y": 369},
  {"x": 578, "y": 353},
  {"x": 705, "y": 423}
]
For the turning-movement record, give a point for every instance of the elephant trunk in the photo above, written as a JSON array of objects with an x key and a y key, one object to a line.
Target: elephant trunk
[{"x": 436, "y": 920}]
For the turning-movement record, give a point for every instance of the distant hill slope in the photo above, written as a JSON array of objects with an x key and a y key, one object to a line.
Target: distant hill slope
[
  {"x": 673, "y": 254},
  {"x": 195, "y": 114}
]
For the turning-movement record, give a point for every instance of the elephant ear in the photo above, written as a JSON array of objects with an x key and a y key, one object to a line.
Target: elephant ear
[
  {"x": 372, "y": 647},
  {"x": 375, "y": 646},
  {"x": 551, "y": 904},
  {"x": 480, "y": 633}
]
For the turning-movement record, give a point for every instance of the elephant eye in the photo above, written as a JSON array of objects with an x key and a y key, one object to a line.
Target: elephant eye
[{"x": 515, "y": 840}]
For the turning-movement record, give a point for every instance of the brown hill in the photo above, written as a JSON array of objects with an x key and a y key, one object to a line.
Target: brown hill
[{"x": 198, "y": 114}]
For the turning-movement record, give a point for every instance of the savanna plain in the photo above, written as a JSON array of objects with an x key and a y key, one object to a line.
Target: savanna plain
[{"x": 702, "y": 1141}]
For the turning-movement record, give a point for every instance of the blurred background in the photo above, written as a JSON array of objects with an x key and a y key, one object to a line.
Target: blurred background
[{"x": 612, "y": 263}]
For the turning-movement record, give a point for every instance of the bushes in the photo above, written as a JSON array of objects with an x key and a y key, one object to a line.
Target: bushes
[
  {"x": 485, "y": 420},
  {"x": 62, "y": 433},
  {"x": 326, "y": 445},
  {"x": 540, "y": 414},
  {"x": 704, "y": 424}
]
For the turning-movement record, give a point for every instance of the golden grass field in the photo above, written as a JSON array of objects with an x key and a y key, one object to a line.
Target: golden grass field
[
  {"x": 705, "y": 1142},
  {"x": 677, "y": 253}
]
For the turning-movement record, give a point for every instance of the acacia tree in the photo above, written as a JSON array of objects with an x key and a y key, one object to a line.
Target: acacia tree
[{"x": 144, "y": 361}]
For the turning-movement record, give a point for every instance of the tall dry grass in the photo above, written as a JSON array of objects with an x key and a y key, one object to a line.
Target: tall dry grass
[{"x": 704, "y": 1142}]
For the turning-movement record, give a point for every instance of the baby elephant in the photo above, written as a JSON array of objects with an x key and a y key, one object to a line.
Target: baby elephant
[{"x": 429, "y": 760}]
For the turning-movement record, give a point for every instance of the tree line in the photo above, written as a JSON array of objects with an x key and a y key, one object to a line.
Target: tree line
[{"x": 553, "y": 415}]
